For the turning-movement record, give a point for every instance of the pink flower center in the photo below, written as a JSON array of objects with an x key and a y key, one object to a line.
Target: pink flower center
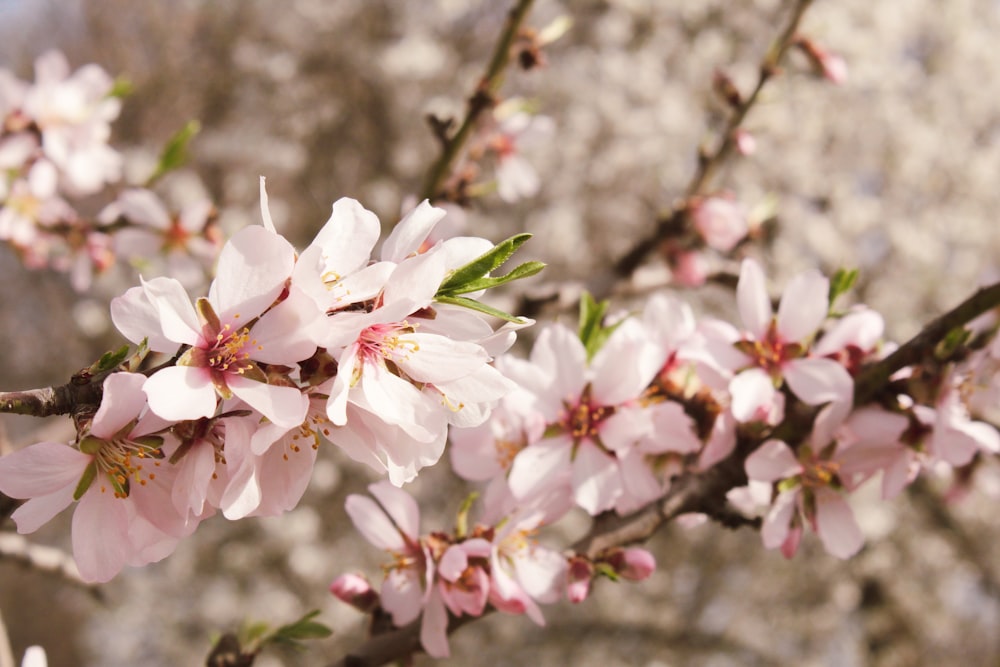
[
  {"x": 772, "y": 352},
  {"x": 819, "y": 473},
  {"x": 123, "y": 461},
  {"x": 229, "y": 353},
  {"x": 381, "y": 342},
  {"x": 584, "y": 419}
]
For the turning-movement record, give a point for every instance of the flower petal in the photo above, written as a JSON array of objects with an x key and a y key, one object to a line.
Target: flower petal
[
  {"x": 804, "y": 305},
  {"x": 771, "y": 462},
  {"x": 752, "y": 299}
]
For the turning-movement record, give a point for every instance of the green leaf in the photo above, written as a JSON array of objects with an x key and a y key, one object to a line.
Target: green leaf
[
  {"x": 482, "y": 265},
  {"x": 111, "y": 360},
  {"x": 525, "y": 270},
  {"x": 472, "y": 304},
  {"x": 304, "y": 628},
  {"x": 175, "y": 151},
  {"x": 951, "y": 343},
  {"x": 842, "y": 281},
  {"x": 593, "y": 333}
]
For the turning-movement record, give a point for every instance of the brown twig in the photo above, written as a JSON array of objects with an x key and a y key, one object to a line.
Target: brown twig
[
  {"x": 482, "y": 99},
  {"x": 709, "y": 163},
  {"x": 873, "y": 378}
]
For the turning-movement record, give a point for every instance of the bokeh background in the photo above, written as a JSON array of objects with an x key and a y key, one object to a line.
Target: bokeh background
[{"x": 894, "y": 172}]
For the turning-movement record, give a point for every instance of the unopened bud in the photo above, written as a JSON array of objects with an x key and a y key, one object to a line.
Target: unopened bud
[
  {"x": 355, "y": 590},
  {"x": 744, "y": 141},
  {"x": 832, "y": 67},
  {"x": 721, "y": 221},
  {"x": 633, "y": 563},
  {"x": 726, "y": 89},
  {"x": 578, "y": 576},
  {"x": 689, "y": 268}
]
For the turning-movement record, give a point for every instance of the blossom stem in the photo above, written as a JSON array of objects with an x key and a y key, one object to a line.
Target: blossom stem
[{"x": 481, "y": 100}]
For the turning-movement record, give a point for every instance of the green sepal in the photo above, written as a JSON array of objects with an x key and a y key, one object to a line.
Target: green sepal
[
  {"x": 788, "y": 484},
  {"x": 90, "y": 445},
  {"x": 150, "y": 442},
  {"x": 462, "y": 519},
  {"x": 135, "y": 361},
  {"x": 253, "y": 372},
  {"x": 89, "y": 474},
  {"x": 842, "y": 281},
  {"x": 605, "y": 570},
  {"x": 206, "y": 313},
  {"x": 121, "y": 488},
  {"x": 174, "y": 152},
  {"x": 482, "y": 265},
  {"x": 472, "y": 304}
]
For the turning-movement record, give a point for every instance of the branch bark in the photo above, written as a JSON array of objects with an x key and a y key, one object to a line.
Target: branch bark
[{"x": 482, "y": 99}]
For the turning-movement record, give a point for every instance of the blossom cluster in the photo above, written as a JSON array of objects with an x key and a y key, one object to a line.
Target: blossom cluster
[
  {"x": 498, "y": 562},
  {"x": 54, "y": 151},
  {"x": 286, "y": 348},
  {"x": 604, "y": 420}
]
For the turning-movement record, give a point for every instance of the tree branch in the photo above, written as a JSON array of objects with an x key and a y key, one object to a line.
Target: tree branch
[
  {"x": 873, "y": 378},
  {"x": 482, "y": 99},
  {"x": 708, "y": 165}
]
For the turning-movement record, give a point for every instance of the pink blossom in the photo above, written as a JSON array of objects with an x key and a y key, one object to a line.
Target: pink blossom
[
  {"x": 238, "y": 327},
  {"x": 594, "y": 411},
  {"x": 124, "y": 515},
  {"x": 776, "y": 349},
  {"x": 392, "y": 524},
  {"x": 355, "y": 590}
]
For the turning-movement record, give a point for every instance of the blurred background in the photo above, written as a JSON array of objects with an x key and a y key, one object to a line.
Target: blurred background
[{"x": 894, "y": 172}]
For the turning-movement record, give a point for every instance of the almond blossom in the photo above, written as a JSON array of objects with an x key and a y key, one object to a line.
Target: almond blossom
[
  {"x": 124, "y": 515},
  {"x": 228, "y": 335},
  {"x": 772, "y": 350}
]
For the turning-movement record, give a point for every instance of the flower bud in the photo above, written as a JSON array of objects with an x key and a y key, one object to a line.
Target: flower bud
[
  {"x": 578, "y": 576},
  {"x": 633, "y": 563},
  {"x": 690, "y": 268},
  {"x": 355, "y": 590},
  {"x": 832, "y": 67},
  {"x": 726, "y": 89},
  {"x": 720, "y": 221}
]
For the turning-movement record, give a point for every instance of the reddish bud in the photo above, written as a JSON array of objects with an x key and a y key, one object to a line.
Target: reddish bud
[
  {"x": 832, "y": 67},
  {"x": 355, "y": 590},
  {"x": 633, "y": 563},
  {"x": 726, "y": 89},
  {"x": 578, "y": 576}
]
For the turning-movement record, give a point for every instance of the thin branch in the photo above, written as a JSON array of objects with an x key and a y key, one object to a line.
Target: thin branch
[
  {"x": 709, "y": 164},
  {"x": 483, "y": 99},
  {"x": 873, "y": 378},
  {"x": 79, "y": 392}
]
